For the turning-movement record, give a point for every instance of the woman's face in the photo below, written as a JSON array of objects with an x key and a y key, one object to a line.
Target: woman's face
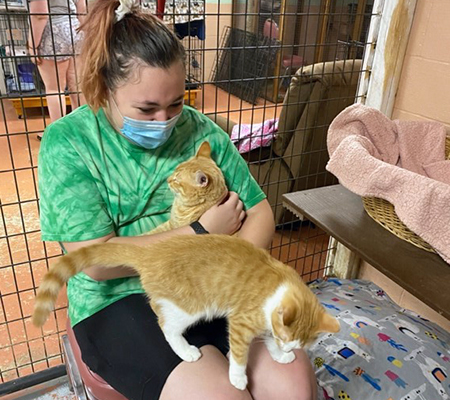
[{"x": 151, "y": 94}]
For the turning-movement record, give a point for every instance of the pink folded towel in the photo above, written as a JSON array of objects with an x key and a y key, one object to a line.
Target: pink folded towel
[{"x": 402, "y": 162}]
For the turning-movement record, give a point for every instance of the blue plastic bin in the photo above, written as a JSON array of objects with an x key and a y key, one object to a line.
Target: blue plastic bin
[{"x": 26, "y": 72}]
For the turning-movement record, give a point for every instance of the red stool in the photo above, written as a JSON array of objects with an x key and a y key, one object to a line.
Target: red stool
[{"x": 84, "y": 383}]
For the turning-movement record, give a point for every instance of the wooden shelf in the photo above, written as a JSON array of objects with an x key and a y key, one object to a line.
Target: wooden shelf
[
  {"x": 20, "y": 104},
  {"x": 190, "y": 96},
  {"x": 341, "y": 214}
]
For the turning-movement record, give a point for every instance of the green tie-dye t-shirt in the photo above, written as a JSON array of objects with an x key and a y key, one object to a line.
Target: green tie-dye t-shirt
[{"x": 93, "y": 181}]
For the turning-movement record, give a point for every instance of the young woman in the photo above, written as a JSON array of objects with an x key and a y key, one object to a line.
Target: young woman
[{"x": 102, "y": 177}]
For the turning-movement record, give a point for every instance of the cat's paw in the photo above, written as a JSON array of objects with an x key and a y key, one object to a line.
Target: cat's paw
[
  {"x": 190, "y": 354},
  {"x": 239, "y": 381},
  {"x": 285, "y": 358}
]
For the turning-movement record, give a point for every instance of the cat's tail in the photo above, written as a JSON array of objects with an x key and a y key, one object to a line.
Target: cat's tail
[{"x": 106, "y": 255}]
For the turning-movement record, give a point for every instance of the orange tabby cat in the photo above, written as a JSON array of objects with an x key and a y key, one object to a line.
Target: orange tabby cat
[
  {"x": 198, "y": 184},
  {"x": 189, "y": 278}
]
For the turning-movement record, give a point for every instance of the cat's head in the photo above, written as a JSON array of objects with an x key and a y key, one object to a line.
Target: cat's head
[
  {"x": 198, "y": 179},
  {"x": 299, "y": 319}
]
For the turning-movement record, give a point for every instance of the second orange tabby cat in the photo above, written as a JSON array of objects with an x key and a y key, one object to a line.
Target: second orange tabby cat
[{"x": 189, "y": 278}]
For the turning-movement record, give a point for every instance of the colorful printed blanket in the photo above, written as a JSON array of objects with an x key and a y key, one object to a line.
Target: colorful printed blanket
[{"x": 383, "y": 352}]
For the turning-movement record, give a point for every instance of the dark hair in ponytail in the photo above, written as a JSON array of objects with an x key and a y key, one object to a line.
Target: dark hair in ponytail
[{"x": 112, "y": 49}]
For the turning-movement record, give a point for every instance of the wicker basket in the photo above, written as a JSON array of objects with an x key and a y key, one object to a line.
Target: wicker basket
[{"x": 383, "y": 212}]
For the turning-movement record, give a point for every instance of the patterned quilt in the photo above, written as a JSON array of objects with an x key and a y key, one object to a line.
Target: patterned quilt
[{"x": 383, "y": 352}]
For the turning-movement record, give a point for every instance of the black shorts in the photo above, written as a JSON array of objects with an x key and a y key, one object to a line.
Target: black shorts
[{"x": 124, "y": 344}]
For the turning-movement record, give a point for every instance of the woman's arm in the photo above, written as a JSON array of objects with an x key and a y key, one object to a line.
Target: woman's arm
[
  {"x": 37, "y": 24},
  {"x": 259, "y": 226}
]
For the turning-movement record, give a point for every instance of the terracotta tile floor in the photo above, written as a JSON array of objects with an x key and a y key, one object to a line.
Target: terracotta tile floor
[
  {"x": 214, "y": 100},
  {"x": 25, "y": 349}
]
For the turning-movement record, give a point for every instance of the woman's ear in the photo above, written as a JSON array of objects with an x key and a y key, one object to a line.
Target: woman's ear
[{"x": 328, "y": 323}]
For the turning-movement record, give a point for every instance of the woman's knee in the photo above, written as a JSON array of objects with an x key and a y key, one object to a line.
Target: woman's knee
[
  {"x": 217, "y": 392},
  {"x": 271, "y": 380},
  {"x": 299, "y": 382},
  {"x": 292, "y": 389},
  {"x": 206, "y": 378},
  {"x": 220, "y": 390},
  {"x": 289, "y": 387},
  {"x": 227, "y": 393}
]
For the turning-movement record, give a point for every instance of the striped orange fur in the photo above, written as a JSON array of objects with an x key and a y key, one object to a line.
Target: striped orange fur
[
  {"x": 198, "y": 184},
  {"x": 206, "y": 276}
]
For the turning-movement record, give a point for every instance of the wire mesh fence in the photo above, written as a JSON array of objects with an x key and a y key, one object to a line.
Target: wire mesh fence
[
  {"x": 243, "y": 63},
  {"x": 271, "y": 73}
]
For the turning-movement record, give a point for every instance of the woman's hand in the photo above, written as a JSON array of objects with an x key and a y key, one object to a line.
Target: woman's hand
[
  {"x": 225, "y": 217},
  {"x": 35, "y": 59}
]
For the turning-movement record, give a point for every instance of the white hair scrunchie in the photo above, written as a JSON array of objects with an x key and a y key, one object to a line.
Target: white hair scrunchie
[{"x": 125, "y": 7}]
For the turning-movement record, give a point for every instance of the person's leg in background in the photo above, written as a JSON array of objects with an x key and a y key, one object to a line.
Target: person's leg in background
[
  {"x": 54, "y": 76},
  {"x": 73, "y": 74}
]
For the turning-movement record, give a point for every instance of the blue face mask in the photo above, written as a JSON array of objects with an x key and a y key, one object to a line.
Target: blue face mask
[{"x": 147, "y": 134}]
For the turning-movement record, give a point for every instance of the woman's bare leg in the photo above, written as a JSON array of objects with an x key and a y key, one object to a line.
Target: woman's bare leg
[
  {"x": 206, "y": 378},
  {"x": 270, "y": 380},
  {"x": 54, "y": 77},
  {"x": 73, "y": 74}
]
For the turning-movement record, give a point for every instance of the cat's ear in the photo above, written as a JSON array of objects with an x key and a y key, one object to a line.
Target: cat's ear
[
  {"x": 282, "y": 318},
  {"x": 201, "y": 178},
  {"x": 285, "y": 316},
  {"x": 328, "y": 323},
  {"x": 287, "y": 311},
  {"x": 204, "y": 150}
]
